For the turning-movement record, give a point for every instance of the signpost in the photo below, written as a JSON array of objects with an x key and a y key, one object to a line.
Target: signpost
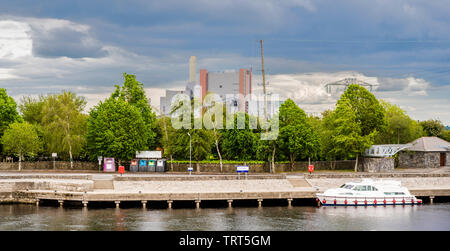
[
  {"x": 54, "y": 155},
  {"x": 100, "y": 158},
  {"x": 190, "y": 169},
  {"x": 242, "y": 169}
]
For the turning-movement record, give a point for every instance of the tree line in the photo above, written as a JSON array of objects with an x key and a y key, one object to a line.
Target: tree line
[{"x": 125, "y": 123}]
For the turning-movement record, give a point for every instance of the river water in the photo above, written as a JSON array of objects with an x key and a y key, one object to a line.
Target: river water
[{"x": 46, "y": 218}]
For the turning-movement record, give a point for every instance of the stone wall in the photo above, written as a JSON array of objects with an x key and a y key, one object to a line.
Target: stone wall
[
  {"x": 447, "y": 159},
  {"x": 177, "y": 167},
  {"x": 407, "y": 159},
  {"x": 376, "y": 165},
  {"x": 260, "y": 168},
  {"x": 48, "y": 165}
]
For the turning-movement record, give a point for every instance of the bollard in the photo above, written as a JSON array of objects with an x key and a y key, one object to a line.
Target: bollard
[
  {"x": 230, "y": 203},
  {"x": 117, "y": 203},
  {"x": 169, "y": 203},
  {"x": 37, "y": 202},
  {"x": 197, "y": 204},
  {"x": 289, "y": 202},
  {"x": 61, "y": 202},
  {"x": 144, "y": 204},
  {"x": 260, "y": 202},
  {"x": 431, "y": 199},
  {"x": 85, "y": 203}
]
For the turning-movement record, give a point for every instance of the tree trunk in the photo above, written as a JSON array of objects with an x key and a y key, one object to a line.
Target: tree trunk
[
  {"x": 217, "y": 148},
  {"x": 356, "y": 164},
  {"x": 20, "y": 161},
  {"x": 291, "y": 157},
  {"x": 198, "y": 166},
  {"x": 71, "y": 158},
  {"x": 218, "y": 153},
  {"x": 273, "y": 159},
  {"x": 70, "y": 145},
  {"x": 398, "y": 136},
  {"x": 167, "y": 143}
]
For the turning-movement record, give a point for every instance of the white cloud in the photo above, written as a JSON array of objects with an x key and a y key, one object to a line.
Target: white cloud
[
  {"x": 15, "y": 39},
  {"x": 309, "y": 92}
]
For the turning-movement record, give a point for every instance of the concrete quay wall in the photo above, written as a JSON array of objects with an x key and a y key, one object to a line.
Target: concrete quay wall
[{"x": 195, "y": 188}]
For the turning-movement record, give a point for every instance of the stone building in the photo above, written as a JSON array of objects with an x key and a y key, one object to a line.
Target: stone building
[{"x": 425, "y": 152}]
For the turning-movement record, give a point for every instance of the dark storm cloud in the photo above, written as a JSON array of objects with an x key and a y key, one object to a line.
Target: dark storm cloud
[{"x": 63, "y": 42}]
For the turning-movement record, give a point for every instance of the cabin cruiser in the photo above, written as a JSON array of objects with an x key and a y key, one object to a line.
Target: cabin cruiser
[{"x": 368, "y": 193}]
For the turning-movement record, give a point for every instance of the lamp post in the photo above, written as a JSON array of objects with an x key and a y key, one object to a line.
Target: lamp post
[{"x": 190, "y": 154}]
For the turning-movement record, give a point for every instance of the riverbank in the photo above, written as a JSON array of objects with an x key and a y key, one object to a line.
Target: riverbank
[{"x": 83, "y": 188}]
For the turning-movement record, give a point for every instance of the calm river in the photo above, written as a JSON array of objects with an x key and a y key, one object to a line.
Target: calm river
[{"x": 30, "y": 217}]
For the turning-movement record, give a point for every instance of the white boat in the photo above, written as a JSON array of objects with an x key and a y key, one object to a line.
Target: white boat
[{"x": 368, "y": 193}]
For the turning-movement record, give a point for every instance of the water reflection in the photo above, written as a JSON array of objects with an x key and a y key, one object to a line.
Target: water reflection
[{"x": 30, "y": 217}]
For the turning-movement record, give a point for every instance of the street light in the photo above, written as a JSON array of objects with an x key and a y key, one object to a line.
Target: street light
[{"x": 190, "y": 154}]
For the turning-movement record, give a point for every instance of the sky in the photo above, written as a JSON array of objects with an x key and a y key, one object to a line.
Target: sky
[{"x": 401, "y": 47}]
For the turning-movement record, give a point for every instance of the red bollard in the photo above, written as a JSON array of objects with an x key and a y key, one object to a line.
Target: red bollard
[{"x": 121, "y": 170}]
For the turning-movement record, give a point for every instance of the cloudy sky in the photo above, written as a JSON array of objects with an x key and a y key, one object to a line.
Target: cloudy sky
[{"x": 402, "y": 47}]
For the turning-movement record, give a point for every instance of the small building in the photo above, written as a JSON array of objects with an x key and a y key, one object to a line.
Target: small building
[{"x": 425, "y": 152}]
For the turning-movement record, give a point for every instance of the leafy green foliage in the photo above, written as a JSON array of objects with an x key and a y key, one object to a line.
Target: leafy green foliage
[
  {"x": 353, "y": 126},
  {"x": 21, "y": 139},
  {"x": 239, "y": 144},
  {"x": 8, "y": 112},
  {"x": 133, "y": 93},
  {"x": 368, "y": 111},
  {"x": 400, "y": 129},
  {"x": 116, "y": 129},
  {"x": 432, "y": 127},
  {"x": 64, "y": 124},
  {"x": 297, "y": 137}
]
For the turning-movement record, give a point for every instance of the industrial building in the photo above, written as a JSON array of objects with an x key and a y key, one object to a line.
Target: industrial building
[{"x": 231, "y": 86}]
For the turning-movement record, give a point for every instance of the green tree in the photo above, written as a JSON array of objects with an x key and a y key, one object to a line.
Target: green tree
[
  {"x": 240, "y": 144},
  {"x": 133, "y": 93},
  {"x": 368, "y": 110},
  {"x": 165, "y": 134},
  {"x": 115, "y": 129},
  {"x": 355, "y": 123},
  {"x": 446, "y": 135},
  {"x": 31, "y": 109},
  {"x": 401, "y": 128},
  {"x": 325, "y": 129},
  {"x": 64, "y": 124},
  {"x": 347, "y": 138},
  {"x": 267, "y": 148},
  {"x": 297, "y": 137},
  {"x": 21, "y": 139},
  {"x": 432, "y": 127},
  {"x": 8, "y": 112}
]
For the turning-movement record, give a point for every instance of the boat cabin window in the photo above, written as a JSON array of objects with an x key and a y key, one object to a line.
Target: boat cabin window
[
  {"x": 346, "y": 186},
  {"x": 394, "y": 193},
  {"x": 365, "y": 188},
  {"x": 360, "y": 188}
]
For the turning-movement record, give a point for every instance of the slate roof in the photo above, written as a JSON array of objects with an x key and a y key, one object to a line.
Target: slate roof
[{"x": 429, "y": 144}]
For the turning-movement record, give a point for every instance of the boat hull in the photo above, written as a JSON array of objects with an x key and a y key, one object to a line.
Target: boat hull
[{"x": 366, "y": 201}]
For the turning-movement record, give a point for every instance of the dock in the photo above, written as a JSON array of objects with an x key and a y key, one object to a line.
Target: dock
[{"x": 170, "y": 189}]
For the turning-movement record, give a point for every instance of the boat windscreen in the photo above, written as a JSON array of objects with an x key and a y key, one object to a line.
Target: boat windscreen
[{"x": 346, "y": 186}]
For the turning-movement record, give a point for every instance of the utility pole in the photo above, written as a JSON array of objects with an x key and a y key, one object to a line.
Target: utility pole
[
  {"x": 271, "y": 163},
  {"x": 264, "y": 82}
]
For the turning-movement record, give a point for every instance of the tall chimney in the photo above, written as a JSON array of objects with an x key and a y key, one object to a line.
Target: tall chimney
[{"x": 192, "y": 69}]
